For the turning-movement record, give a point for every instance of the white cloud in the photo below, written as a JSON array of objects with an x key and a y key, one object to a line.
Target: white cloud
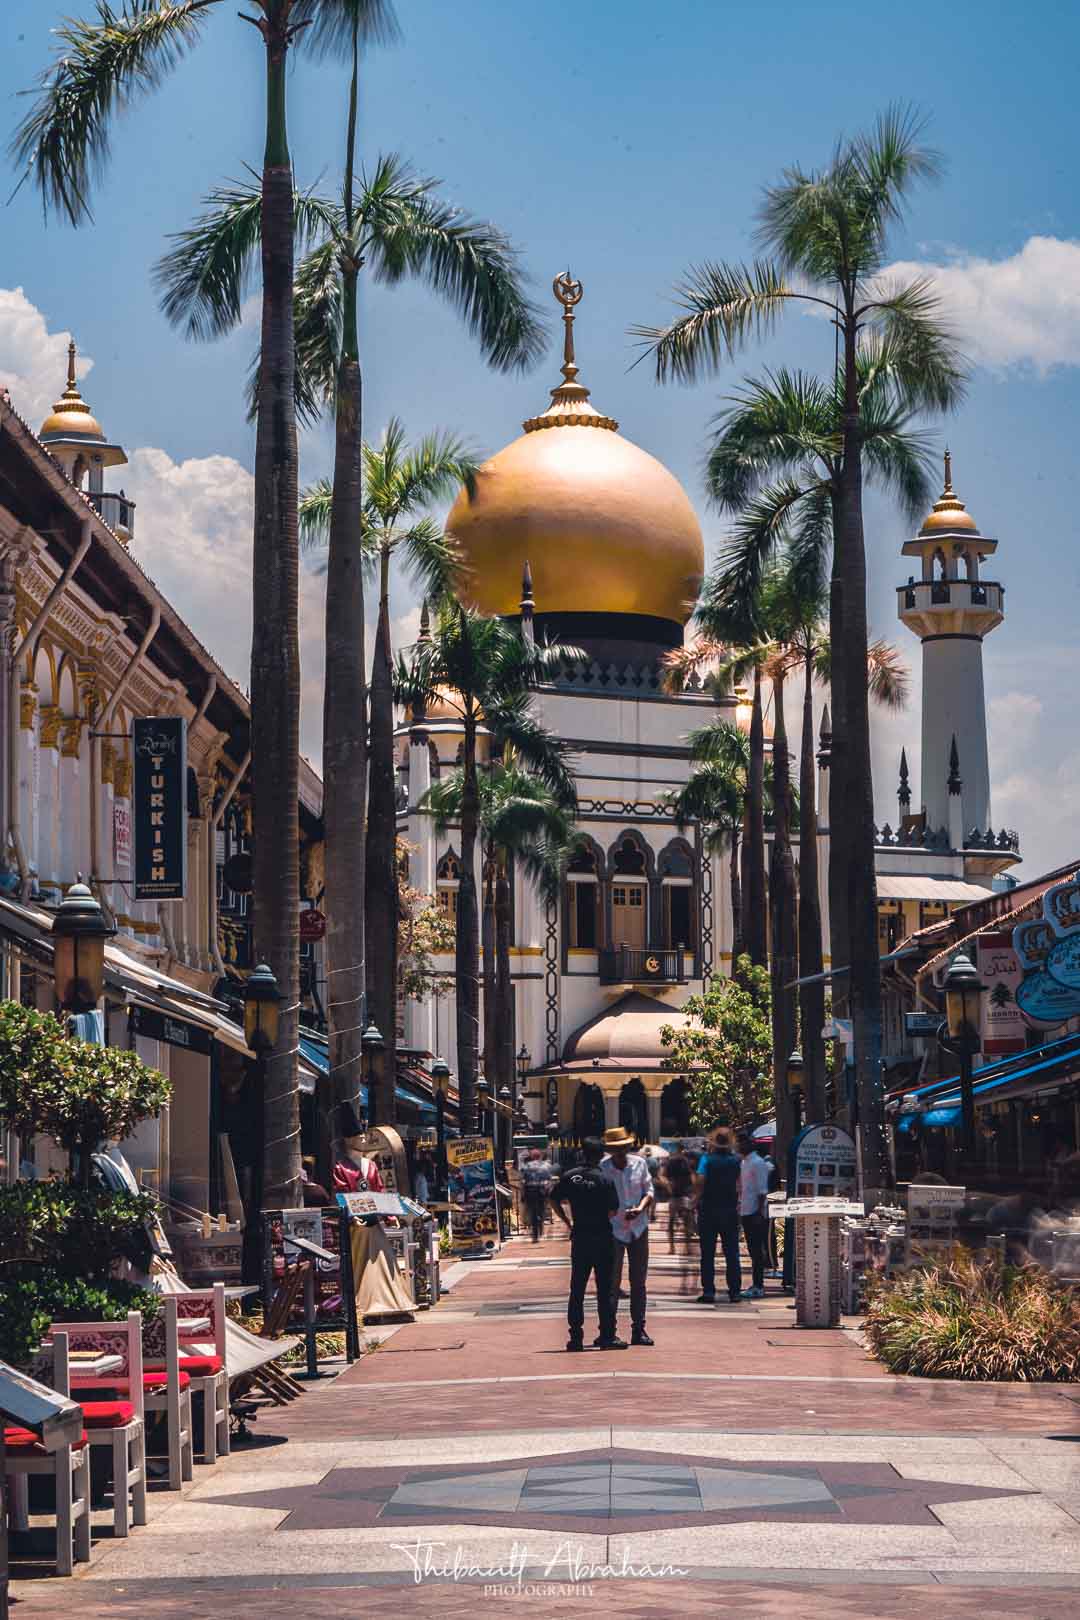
[
  {"x": 1023, "y": 310},
  {"x": 33, "y": 360}
]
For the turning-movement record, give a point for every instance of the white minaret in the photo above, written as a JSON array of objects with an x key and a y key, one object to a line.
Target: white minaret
[{"x": 951, "y": 608}]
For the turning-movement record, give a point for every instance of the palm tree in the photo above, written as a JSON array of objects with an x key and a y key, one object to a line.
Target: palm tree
[
  {"x": 715, "y": 795},
  {"x": 486, "y": 671},
  {"x": 395, "y": 224},
  {"x": 100, "y": 68},
  {"x": 399, "y": 482},
  {"x": 827, "y": 234},
  {"x": 521, "y": 823}
]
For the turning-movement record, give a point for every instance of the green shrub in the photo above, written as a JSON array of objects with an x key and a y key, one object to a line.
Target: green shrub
[
  {"x": 969, "y": 1316},
  {"x": 58, "y": 1225},
  {"x": 30, "y": 1302}
]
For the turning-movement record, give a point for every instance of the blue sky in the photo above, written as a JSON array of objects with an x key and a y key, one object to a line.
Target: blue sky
[{"x": 628, "y": 141}]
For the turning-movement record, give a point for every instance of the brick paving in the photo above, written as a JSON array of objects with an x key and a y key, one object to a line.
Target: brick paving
[{"x": 753, "y": 1462}]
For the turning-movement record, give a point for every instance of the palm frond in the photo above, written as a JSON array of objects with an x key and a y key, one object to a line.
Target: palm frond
[
  {"x": 723, "y": 744},
  {"x": 432, "y": 557},
  {"x": 887, "y": 675},
  {"x": 407, "y": 230},
  {"x": 730, "y": 602},
  {"x": 781, "y": 422},
  {"x": 923, "y": 352},
  {"x": 891, "y": 159},
  {"x": 680, "y": 665},
  {"x": 336, "y": 23},
  {"x": 723, "y": 305},
  {"x": 100, "y": 67}
]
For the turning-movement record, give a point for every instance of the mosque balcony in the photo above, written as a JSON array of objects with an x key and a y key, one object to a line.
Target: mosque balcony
[
  {"x": 643, "y": 964},
  {"x": 936, "y": 607},
  {"x": 115, "y": 510}
]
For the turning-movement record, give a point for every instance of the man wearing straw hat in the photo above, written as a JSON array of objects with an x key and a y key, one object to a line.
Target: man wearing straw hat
[{"x": 629, "y": 1175}]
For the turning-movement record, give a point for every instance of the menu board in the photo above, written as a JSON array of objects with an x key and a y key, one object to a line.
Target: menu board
[
  {"x": 824, "y": 1163},
  {"x": 474, "y": 1217},
  {"x": 932, "y": 1214}
]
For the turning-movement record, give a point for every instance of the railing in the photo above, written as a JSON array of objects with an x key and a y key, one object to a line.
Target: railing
[
  {"x": 117, "y": 511},
  {"x": 643, "y": 964}
]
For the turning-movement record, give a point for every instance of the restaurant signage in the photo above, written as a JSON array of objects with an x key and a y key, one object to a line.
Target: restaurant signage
[
  {"x": 312, "y": 925},
  {"x": 1048, "y": 952},
  {"x": 121, "y": 833},
  {"x": 158, "y": 1026},
  {"x": 159, "y": 807},
  {"x": 474, "y": 1213},
  {"x": 1002, "y": 1022}
]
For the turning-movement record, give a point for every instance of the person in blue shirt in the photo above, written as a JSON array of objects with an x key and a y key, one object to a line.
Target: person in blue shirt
[{"x": 717, "y": 1188}]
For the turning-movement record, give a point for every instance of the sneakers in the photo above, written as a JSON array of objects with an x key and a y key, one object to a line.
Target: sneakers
[
  {"x": 611, "y": 1344},
  {"x": 737, "y": 1299},
  {"x": 574, "y": 1343},
  {"x": 755, "y": 1293},
  {"x": 640, "y": 1337},
  {"x": 705, "y": 1299}
]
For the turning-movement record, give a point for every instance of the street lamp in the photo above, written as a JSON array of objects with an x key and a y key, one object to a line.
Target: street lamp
[
  {"x": 80, "y": 929},
  {"x": 505, "y": 1118},
  {"x": 372, "y": 1058},
  {"x": 796, "y": 1079},
  {"x": 483, "y": 1094},
  {"x": 440, "y": 1082},
  {"x": 959, "y": 1034},
  {"x": 262, "y": 1010}
]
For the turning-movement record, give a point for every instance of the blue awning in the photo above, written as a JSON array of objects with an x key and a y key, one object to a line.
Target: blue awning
[
  {"x": 317, "y": 1053},
  {"x": 1027, "y": 1070}
]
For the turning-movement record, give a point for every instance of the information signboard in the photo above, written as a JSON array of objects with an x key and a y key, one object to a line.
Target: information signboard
[
  {"x": 159, "y": 807},
  {"x": 822, "y": 1163},
  {"x": 474, "y": 1216},
  {"x": 932, "y": 1214}
]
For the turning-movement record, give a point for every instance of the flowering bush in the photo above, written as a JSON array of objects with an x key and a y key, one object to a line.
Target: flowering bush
[{"x": 970, "y": 1316}]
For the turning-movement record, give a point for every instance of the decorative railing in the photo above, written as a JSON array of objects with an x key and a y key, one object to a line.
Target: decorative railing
[
  {"x": 937, "y": 838},
  {"x": 643, "y": 964},
  {"x": 116, "y": 510}
]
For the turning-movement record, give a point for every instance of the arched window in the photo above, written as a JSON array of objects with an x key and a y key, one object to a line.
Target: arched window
[
  {"x": 447, "y": 882},
  {"x": 629, "y": 891},
  {"x": 939, "y": 564},
  {"x": 677, "y": 895},
  {"x": 584, "y": 911}
]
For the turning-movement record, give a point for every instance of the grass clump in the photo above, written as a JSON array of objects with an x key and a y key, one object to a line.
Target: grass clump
[{"x": 968, "y": 1316}]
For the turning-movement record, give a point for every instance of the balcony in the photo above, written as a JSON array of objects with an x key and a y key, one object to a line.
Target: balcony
[
  {"x": 643, "y": 964},
  {"x": 116, "y": 510}
]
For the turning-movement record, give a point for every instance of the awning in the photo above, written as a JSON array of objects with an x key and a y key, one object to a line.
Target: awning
[
  {"x": 895, "y": 886},
  {"x": 1041, "y": 1069},
  {"x": 315, "y": 1049}
]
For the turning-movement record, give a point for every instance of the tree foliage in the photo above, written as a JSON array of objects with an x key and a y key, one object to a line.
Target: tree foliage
[{"x": 725, "y": 1047}]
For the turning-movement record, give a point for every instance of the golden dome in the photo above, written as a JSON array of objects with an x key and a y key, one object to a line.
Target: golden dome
[
  {"x": 71, "y": 414},
  {"x": 949, "y": 514},
  {"x": 603, "y": 525}
]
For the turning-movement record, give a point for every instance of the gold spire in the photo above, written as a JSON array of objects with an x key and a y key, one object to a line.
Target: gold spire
[
  {"x": 71, "y": 413},
  {"x": 949, "y": 514},
  {"x": 570, "y": 405}
]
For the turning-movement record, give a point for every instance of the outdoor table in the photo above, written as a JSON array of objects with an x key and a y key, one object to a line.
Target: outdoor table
[{"x": 88, "y": 1364}]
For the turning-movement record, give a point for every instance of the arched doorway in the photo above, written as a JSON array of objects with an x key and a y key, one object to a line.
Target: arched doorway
[
  {"x": 633, "y": 1114},
  {"x": 588, "y": 1112},
  {"x": 675, "y": 1108}
]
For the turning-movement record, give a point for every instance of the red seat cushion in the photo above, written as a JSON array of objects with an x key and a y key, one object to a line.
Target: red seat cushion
[
  {"x": 154, "y": 1379},
  {"x": 201, "y": 1366},
  {"x": 25, "y": 1443},
  {"x": 107, "y": 1414},
  {"x": 158, "y": 1380}
]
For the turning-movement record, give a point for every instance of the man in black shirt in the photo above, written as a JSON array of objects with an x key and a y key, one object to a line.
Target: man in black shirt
[
  {"x": 593, "y": 1200},
  {"x": 717, "y": 1184}
]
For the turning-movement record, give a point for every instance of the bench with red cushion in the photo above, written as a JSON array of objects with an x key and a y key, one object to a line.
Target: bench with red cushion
[
  {"x": 107, "y": 1414},
  {"x": 24, "y": 1442},
  {"x": 152, "y": 1382}
]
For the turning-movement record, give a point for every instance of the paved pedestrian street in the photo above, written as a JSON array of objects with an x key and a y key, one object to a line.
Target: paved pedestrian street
[{"x": 740, "y": 1466}]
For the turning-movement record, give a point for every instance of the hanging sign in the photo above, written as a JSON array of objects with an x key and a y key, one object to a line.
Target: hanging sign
[
  {"x": 121, "y": 833},
  {"x": 1002, "y": 1022},
  {"x": 1061, "y": 908},
  {"x": 312, "y": 926},
  {"x": 1043, "y": 999},
  {"x": 159, "y": 807}
]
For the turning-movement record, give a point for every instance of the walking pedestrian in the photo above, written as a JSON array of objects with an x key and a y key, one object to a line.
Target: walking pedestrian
[
  {"x": 537, "y": 1177},
  {"x": 678, "y": 1178},
  {"x": 754, "y": 1210},
  {"x": 629, "y": 1175},
  {"x": 593, "y": 1200},
  {"x": 717, "y": 1183}
]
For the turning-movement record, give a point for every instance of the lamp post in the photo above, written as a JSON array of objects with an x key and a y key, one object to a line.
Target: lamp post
[
  {"x": 959, "y": 1034},
  {"x": 521, "y": 1066},
  {"x": 483, "y": 1098},
  {"x": 796, "y": 1079},
  {"x": 372, "y": 1058},
  {"x": 505, "y": 1119},
  {"x": 80, "y": 929},
  {"x": 440, "y": 1081}
]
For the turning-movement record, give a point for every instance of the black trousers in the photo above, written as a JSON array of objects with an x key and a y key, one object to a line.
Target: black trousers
[
  {"x": 536, "y": 1206},
  {"x": 756, "y": 1231},
  {"x": 588, "y": 1256},
  {"x": 714, "y": 1224}
]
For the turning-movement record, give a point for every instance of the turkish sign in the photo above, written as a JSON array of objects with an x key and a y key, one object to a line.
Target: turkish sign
[
  {"x": 474, "y": 1217},
  {"x": 1002, "y": 1027},
  {"x": 159, "y": 807}
]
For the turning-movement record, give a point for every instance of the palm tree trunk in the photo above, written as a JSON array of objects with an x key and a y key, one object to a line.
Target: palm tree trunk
[
  {"x": 754, "y": 848},
  {"x": 467, "y": 941},
  {"x": 784, "y": 959},
  {"x": 865, "y": 975},
  {"x": 275, "y": 653},
  {"x": 839, "y": 836},
  {"x": 735, "y": 836},
  {"x": 380, "y": 892},
  {"x": 490, "y": 969},
  {"x": 504, "y": 985},
  {"x": 811, "y": 996},
  {"x": 344, "y": 722}
]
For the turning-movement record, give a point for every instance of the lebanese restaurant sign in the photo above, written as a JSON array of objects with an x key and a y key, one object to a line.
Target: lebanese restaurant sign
[
  {"x": 159, "y": 807},
  {"x": 1003, "y": 1026}
]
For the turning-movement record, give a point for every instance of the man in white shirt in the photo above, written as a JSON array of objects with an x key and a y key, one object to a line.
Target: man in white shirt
[
  {"x": 754, "y": 1210},
  {"x": 629, "y": 1175}
]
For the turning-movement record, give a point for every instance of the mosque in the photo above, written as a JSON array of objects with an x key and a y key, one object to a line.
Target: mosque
[{"x": 576, "y": 532}]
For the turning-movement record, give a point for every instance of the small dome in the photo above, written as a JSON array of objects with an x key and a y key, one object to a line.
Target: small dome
[
  {"x": 71, "y": 416},
  {"x": 604, "y": 527},
  {"x": 949, "y": 514}
]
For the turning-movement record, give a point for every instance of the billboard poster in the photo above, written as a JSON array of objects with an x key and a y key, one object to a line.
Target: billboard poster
[
  {"x": 474, "y": 1216},
  {"x": 1002, "y": 1027},
  {"x": 159, "y": 807}
]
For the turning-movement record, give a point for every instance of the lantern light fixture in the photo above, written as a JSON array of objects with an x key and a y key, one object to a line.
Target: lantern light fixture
[
  {"x": 80, "y": 929},
  {"x": 262, "y": 1009}
]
